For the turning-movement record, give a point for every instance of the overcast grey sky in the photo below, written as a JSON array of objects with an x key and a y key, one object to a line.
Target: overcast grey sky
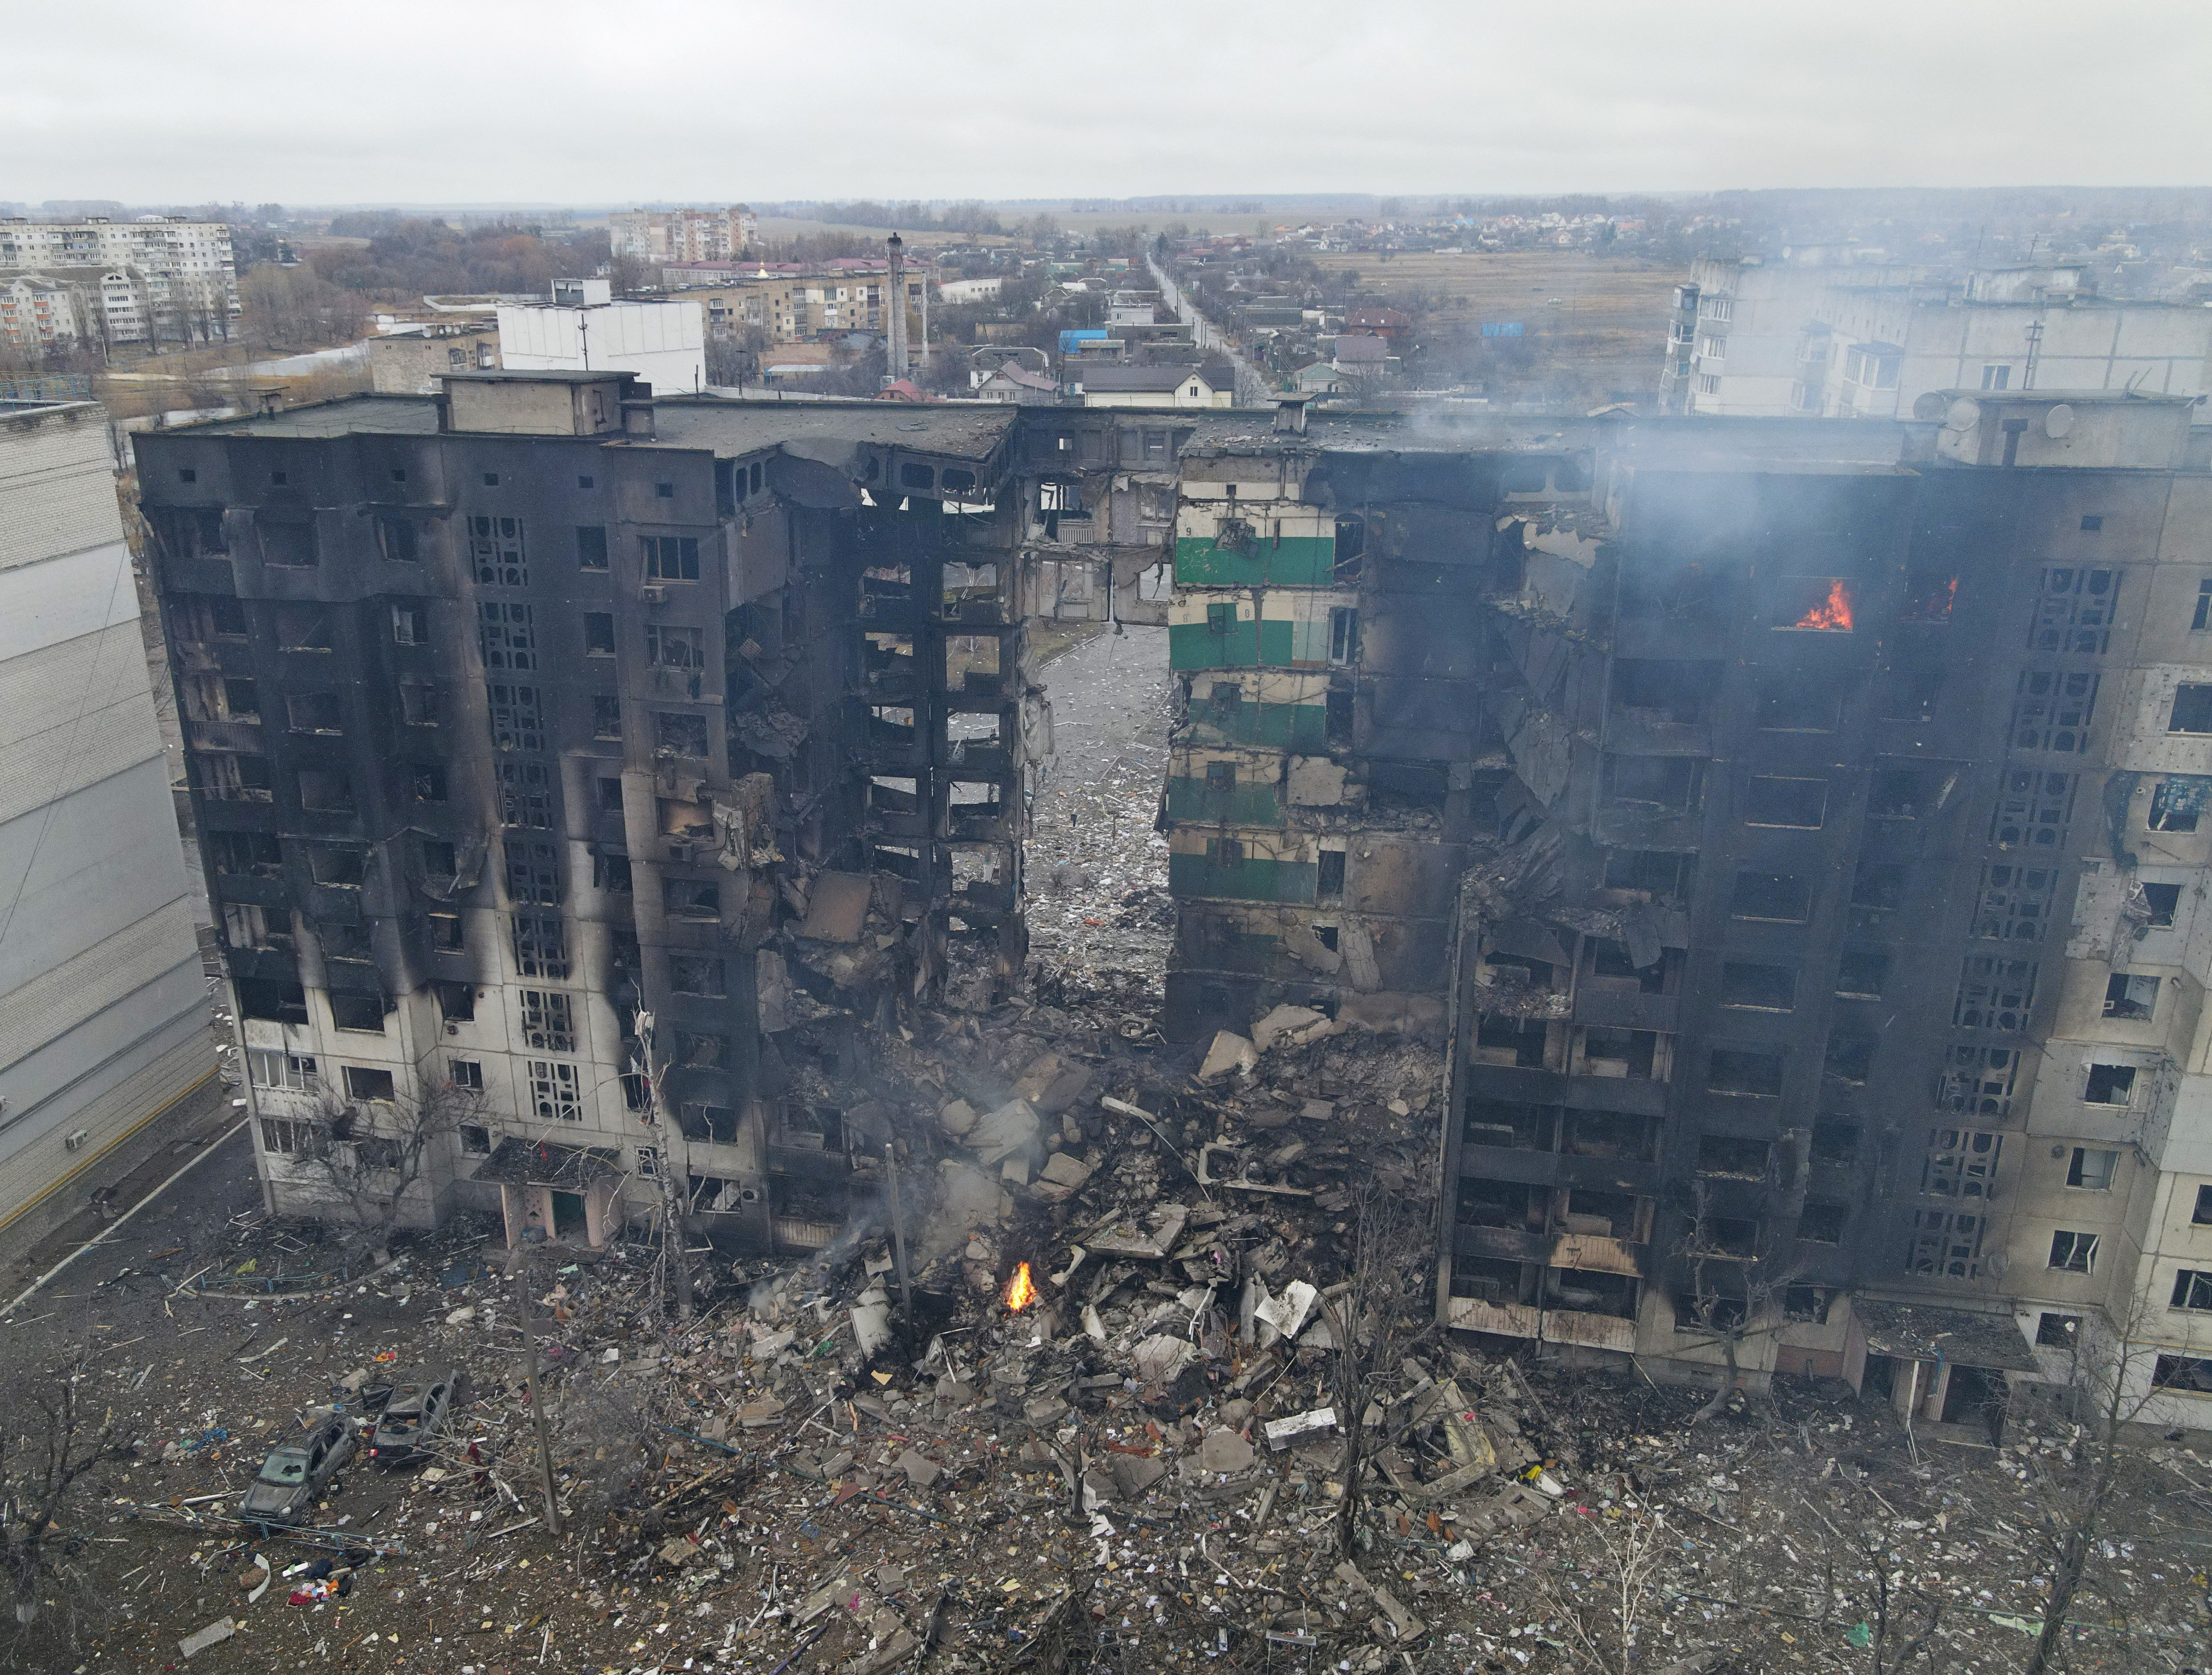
[{"x": 470, "y": 100}]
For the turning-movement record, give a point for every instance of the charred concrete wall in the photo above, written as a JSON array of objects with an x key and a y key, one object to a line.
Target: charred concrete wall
[
  {"x": 611, "y": 765},
  {"x": 1732, "y": 793}
]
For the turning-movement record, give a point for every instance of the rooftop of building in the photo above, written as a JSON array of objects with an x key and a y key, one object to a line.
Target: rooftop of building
[{"x": 1162, "y": 377}]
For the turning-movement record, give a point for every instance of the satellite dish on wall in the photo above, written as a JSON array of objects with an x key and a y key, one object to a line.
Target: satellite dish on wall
[
  {"x": 2058, "y": 421},
  {"x": 1928, "y": 405},
  {"x": 1964, "y": 414}
]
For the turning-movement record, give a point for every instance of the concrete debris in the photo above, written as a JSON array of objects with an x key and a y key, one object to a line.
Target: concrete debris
[{"x": 1228, "y": 1053}]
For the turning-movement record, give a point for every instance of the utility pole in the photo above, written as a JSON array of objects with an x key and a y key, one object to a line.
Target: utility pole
[{"x": 526, "y": 1308}]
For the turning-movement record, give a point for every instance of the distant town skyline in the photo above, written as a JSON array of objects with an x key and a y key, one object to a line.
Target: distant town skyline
[{"x": 570, "y": 104}]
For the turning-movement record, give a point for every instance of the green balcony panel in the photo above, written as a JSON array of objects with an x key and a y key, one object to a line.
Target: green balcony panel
[
  {"x": 1295, "y": 561},
  {"x": 1255, "y": 878},
  {"x": 1252, "y": 803}
]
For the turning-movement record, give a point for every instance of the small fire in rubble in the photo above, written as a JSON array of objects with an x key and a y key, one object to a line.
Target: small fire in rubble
[
  {"x": 1832, "y": 614},
  {"x": 1020, "y": 1290}
]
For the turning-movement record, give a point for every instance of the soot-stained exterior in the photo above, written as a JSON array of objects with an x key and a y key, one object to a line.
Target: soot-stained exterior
[
  {"x": 598, "y": 761},
  {"x": 1791, "y": 826}
]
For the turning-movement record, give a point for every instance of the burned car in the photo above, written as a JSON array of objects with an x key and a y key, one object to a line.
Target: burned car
[
  {"x": 413, "y": 1419},
  {"x": 296, "y": 1474}
]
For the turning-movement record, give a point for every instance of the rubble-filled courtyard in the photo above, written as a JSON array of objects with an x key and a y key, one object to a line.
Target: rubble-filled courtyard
[{"x": 1159, "y": 1388}]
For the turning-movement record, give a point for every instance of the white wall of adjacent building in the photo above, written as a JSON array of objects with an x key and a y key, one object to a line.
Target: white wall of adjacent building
[
  {"x": 103, "y": 1005},
  {"x": 664, "y": 343}
]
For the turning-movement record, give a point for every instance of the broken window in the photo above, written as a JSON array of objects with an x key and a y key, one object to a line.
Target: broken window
[
  {"x": 496, "y": 552},
  {"x": 1797, "y": 703},
  {"x": 694, "y": 974},
  {"x": 325, "y": 793},
  {"x": 2129, "y": 997},
  {"x": 1509, "y": 1124},
  {"x": 1814, "y": 604},
  {"x": 418, "y": 704},
  {"x": 1734, "y": 1236},
  {"x": 1849, "y": 1057},
  {"x": 1608, "y": 967},
  {"x": 2057, "y": 1332},
  {"x": 273, "y": 999},
  {"x": 2111, "y": 1084},
  {"x": 1501, "y": 1039},
  {"x": 1823, "y": 1223},
  {"x": 606, "y": 719},
  {"x": 1660, "y": 784},
  {"x": 1684, "y": 591},
  {"x": 591, "y": 546},
  {"x": 271, "y": 1067},
  {"x": 2189, "y": 1372},
  {"x": 669, "y": 557},
  {"x": 2091, "y": 1169},
  {"x": 2192, "y": 710},
  {"x": 549, "y": 1022},
  {"x": 667, "y": 648},
  {"x": 363, "y": 1083},
  {"x": 1328, "y": 885},
  {"x": 445, "y": 935},
  {"x": 679, "y": 732},
  {"x": 1665, "y": 875},
  {"x": 457, "y": 1001},
  {"x": 702, "y": 1052},
  {"x": 1877, "y": 888},
  {"x": 362, "y": 1012},
  {"x": 610, "y": 872},
  {"x": 475, "y": 1138},
  {"x": 2074, "y": 610},
  {"x": 508, "y": 637},
  {"x": 2192, "y": 1290},
  {"x": 1909, "y": 694},
  {"x": 1730, "y": 1156},
  {"x": 428, "y": 780},
  {"x": 411, "y": 625},
  {"x": 1909, "y": 794},
  {"x": 1930, "y": 596},
  {"x": 1799, "y": 803},
  {"x": 235, "y": 776},
  {"x": 2073, "y": 1252},
  {"x": 1337, "y": 714},
  {"x": 1344, "y": 634},
  {"x": 1759, "y": 988},
  {"x": 2053, "y": 709},
  {"x": 286, "y": 544},
  {"x": 691, "y": 899},
  {"x": 1610, "y": 1133},
  {"x": 1807, "y": 1305},
  {"x": 245, "y": 854},
  {"x": 1835, "y": 1143},
  {"x": 2164, "y": 901},
  {"x": 304, "y": 628},
  {"x": 1776, "y": 897},
  {"x": 1681, "y": 694},
  {"x": 1641, "y": 1055},
  {"x": 599, "y": 634},
  {"x": 312, "y": 712},
  {"x": 1744, "y": 1070}
]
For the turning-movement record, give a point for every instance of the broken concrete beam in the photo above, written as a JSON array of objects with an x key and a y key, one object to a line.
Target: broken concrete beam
[
  {"x": 1403, "y": 1623},
  {"x": 1001, "y": 1133},
  {"x": 1308, "y": 1427},
  {"x": 1132, "y": 1238},
  {"x": 1229, "y": 1053},
  {"x": 1292, "y": 1026},
  {"x": 214, "y": 1634}
]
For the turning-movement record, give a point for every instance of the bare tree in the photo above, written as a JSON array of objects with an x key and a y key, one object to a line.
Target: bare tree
[
  {"x": 1736, "y": 1291},
  {"x": 367, "y": 1155},
  {"x": 1373, "y": 1323},
  {"x": 1606, "y": 1623},
  {"x": 49, "y": 1442},
  {"x": 1865, "y": 1550},
  {"x": 2111, "y": 1380}
]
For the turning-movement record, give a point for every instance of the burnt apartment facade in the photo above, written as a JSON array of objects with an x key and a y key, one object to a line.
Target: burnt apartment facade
[
  {"x": 589, "y": 765},
  {"x": 1793, "y": 829}
]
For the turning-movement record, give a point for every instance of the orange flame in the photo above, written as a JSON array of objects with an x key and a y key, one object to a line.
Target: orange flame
[
  {"x": 1832, "y": 614},
  {"x": 1020, "y": 1290}
]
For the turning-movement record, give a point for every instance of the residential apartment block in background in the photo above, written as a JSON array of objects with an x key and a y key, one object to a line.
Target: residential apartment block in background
[
  {"x": 1794, "y": 829},
  {"x": 158, "y": 279},
  {"x": 681, "y": 235},
  {"x": 103, "y": 1002},
  {"x": 1815, "y": 333}
]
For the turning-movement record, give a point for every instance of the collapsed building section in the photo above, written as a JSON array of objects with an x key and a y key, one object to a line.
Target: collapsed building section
[
  {"x": 1722, "y": 792},
  {"x": 577, "y": 771}
]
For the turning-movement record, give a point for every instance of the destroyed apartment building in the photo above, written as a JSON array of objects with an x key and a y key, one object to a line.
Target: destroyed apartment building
[
  {"x": 587, "y": 764},
  {"x": 1793, "y": 828}
]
